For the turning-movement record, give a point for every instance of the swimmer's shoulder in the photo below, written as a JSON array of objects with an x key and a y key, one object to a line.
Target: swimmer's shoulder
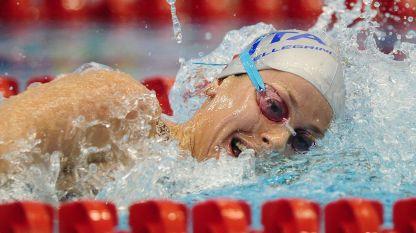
[
  {"x": 99, "y": 79},
  {"x": 93, "y": 94}
]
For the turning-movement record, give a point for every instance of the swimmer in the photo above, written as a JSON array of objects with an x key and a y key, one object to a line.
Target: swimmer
[{"x": 280, "y": 94}]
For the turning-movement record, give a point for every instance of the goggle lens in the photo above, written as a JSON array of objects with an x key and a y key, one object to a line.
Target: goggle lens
[{"x": 272, "y": 105}]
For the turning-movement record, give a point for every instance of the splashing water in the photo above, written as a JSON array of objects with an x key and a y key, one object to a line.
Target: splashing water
[
  {"x": 371, "y": 153},
  {"x": 176, "y": 24}
]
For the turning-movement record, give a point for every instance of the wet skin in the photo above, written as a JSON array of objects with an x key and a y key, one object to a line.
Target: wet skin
[
  {"x": 47, "y": 112},
  {"x": 231, "y": 111}
]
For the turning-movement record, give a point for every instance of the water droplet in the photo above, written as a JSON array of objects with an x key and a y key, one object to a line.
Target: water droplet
[
  {"x": 92, "y": 168},
  {"x": 177, "y": 29},
  {"x": 411, "y": 34},
  {"x": 377, "y": 4},
  {"x": 367, "y": 2},
  {"x": 208, "y": 36},
  {"x": 410, "y": 19}
]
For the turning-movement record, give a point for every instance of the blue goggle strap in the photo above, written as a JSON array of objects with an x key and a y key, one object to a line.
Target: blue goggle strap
[{"x": 252, "y": 71}]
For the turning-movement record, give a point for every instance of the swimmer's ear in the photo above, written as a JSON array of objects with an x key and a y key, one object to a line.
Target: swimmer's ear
[{"x": 211, "y": 89}]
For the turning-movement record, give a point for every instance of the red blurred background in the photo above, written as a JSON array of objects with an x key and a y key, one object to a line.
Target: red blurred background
[{"x": 44, "y": 38}]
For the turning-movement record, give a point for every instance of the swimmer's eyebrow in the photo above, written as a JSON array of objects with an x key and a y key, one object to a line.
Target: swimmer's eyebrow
[{"x": 292, "y": 98}]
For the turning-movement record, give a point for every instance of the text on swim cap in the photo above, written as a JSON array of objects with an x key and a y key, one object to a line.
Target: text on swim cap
[
  {"x": 296, "y": 46},
  {"x": 279, "y": 35}
]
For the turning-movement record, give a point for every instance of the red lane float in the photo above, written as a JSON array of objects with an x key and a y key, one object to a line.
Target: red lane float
[
  {"x": 300, "y": 14},
  {"x": 87, "y": 217},
  {"x": 26, "y": 217},
  {"x": 125, "y": 10},
  {"x": 388, "y": 231},
  {"x": 158, "y": 11},
  {"x": 19, "y": 10},
  {"x": 269, "y": 11},
  {"x": 211, "y": 10},
  {"x": 161, "y": 85},
  {"x": 150, "y": 12},
  {"x": 304, "y": 13},
  {"x": 158, "y": 217},
  {"x": 404, "y": 216},
  {"x": 353, "y": 216},
  {"x": 290, "y": 216},
  {"x": 71, "y": 10},
  {"x": 8, "y": 86},
  {"x": 39, "y": 79},
  {"x": 212, "y": 216},
  {"x": 221, "y": 216}
]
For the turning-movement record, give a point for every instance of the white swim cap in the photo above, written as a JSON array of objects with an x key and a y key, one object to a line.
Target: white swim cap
[{"x": 311, "y": 56}]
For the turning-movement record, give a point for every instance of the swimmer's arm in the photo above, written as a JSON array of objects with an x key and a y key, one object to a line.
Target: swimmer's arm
[{"x": 46, "y": 113}]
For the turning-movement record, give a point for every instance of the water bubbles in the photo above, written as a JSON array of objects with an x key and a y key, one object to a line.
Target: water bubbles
[
  {"x": 411, "y": 34},
  {"x": 208, "y": 36},
  {"x": 399, "y": 37},
  {"x": 21, "y": 56},
  {"x": 410, "y": 19},
  {"x": 92, "y": 168},
  {"x": 367, "y": 2},
  {"x": 376, "y": 4}
]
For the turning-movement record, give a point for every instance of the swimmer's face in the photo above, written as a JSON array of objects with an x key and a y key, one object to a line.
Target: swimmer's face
[{"x": 232, "y": 119}]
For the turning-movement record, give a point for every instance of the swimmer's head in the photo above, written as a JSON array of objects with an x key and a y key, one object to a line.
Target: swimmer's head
[
  {"x": 304, "y": 90},
  {"x": 312, "y": 56}
]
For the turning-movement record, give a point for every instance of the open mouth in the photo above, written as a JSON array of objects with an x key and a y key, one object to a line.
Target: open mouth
[{"x": 237, "y": 146}]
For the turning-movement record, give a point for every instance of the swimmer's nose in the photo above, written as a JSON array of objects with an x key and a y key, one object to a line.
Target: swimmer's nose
[{"x": 276, "y": 139}]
